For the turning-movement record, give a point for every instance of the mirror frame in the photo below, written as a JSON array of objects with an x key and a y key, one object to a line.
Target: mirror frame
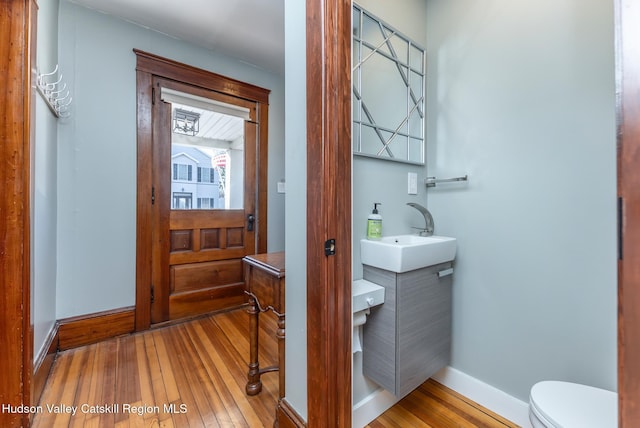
[{"x": 396, "y": 142}]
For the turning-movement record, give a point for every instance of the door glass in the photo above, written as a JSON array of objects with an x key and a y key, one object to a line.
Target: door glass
[{"x": 207, "y": 158}]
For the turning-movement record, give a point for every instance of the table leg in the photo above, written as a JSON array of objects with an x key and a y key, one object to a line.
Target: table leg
[
  {"x": 280, "y": 335},
  {"x": 254, "y": 384}
]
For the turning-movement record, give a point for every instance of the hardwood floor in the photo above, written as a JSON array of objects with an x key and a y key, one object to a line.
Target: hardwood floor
[
  {"x": 433, "y": 405},
  {"x": 199, "y": 367},
  {"x": 194, "y": 374}
]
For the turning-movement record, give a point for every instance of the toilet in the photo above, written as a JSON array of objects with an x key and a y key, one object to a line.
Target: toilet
[{"x": 555, "y": 404}]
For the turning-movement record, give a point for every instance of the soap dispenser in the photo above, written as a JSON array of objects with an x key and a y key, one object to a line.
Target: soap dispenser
[{"x": 374, "y": 224}]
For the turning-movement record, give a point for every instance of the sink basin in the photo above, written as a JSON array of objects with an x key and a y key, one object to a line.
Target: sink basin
[{"x": 402, "y": 253}]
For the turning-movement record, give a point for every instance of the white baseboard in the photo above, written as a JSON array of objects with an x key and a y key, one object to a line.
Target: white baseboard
[
  {"x": 371, "y": 407},
  {"x": 492, "y": 398}
]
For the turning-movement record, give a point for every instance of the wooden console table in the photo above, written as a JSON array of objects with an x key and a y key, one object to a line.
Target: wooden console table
[{"x": 264, "y": 278}]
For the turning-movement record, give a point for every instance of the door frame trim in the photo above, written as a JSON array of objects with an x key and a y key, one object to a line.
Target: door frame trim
[
  {"x": 329, "y": 159},
  {"x": 149, "y": 66},
  {"x": 627, "y": 18},
  {"x": 18, "y": 27}
]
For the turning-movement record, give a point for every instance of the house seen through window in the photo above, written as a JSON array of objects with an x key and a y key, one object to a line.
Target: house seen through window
[{"x": 207, "y": 158}]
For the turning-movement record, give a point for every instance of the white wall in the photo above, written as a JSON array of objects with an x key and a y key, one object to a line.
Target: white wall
[
  {"x": 97, "y": 153},
  {"x": 521, "y": 97},
  {"x": 295, "y": 205},
  {"x": 43, "y": 264}
]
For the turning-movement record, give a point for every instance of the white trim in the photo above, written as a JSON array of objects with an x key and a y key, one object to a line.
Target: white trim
[
  {"x": 507, "y": 406},
  {"x": 492, "y": 398},
  {"x": 185, "y": 155},
  {"x": 371, "y": 407},
  {"x": 173, "y": 96}
]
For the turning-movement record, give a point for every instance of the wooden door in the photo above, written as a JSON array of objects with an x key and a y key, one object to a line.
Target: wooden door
[{"x": 204, "y": 199}]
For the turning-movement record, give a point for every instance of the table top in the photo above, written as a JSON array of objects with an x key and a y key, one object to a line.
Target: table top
[{"x": 271, "y": 263}]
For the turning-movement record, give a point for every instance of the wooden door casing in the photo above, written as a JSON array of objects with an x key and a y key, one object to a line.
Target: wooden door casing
[
  {"x": 176, "y": 250},
  {"x": 628, "y": 112},
  {"x": 328, "y": 213},
  {"x": 18, "y": 24}
]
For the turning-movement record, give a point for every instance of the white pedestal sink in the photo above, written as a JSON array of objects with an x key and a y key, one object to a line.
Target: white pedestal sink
[{"x": 403, "y": 253}]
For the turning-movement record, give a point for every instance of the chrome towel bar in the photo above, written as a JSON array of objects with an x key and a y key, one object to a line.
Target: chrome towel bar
[{"x": 432, "y": 181}]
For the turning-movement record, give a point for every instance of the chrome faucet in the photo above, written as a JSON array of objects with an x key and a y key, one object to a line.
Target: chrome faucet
[{"x": 428, "y": 220}]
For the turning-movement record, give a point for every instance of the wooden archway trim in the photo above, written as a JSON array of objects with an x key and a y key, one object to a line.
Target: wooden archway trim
[
  {"x": 628, "y": 109},
  {"x": 170, "y": 69},
  {"x": 329, "y": 213},
  {"x": 17, "y": 59}
]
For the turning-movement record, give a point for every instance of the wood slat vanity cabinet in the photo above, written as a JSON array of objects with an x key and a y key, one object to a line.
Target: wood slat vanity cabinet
[{"x": 408, "y": 338}]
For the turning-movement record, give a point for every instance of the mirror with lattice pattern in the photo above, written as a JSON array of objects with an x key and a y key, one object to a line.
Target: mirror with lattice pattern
[{"x": 388, "y": 91}]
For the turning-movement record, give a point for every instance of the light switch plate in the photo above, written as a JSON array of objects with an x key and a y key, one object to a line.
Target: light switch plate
[
  {"x": 281, "y": 187},
  {"x": 412, "y": 183}
]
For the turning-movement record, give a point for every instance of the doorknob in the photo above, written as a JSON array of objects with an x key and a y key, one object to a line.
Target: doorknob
[{"x": 250, "y": 220}]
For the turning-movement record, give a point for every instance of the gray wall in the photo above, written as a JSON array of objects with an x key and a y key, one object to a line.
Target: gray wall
[
  {"x": 44, "y": 191},
  {"x": 521, "y": 97},
  {"x": 97, "y": 154},
  {"x": 385, "y": 181},
  {"x": 295, "y": 205}
]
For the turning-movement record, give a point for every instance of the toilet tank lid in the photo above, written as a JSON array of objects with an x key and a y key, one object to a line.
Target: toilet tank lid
[{"x": 567, "y": 404}]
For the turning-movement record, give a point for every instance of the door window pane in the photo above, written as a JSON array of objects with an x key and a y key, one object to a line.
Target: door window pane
[{"x": 208, "y": 166}]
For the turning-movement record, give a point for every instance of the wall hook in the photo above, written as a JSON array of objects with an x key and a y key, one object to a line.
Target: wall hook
[{"x": 52, "y": 92}]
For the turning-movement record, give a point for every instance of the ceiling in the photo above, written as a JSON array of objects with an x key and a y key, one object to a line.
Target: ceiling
[
  {"x": 216, "y": 130},
  {"x": 249, "y": 30}
]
